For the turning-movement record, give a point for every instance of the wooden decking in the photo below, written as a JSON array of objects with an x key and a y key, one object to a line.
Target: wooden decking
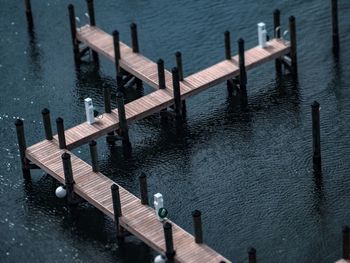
[{"x": 138, "y": 219}]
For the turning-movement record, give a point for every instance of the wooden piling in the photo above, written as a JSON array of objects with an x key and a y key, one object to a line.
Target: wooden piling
[
  {"x": 228, "y": 54},
  {"x": 293, "y": 46},
  {"x": 60, "y": 133},
  {"x": 197, "y": 223},
  {"x": 242, "y": 73},
  {"x": 161, "y": 74},
  {"x": 94, "y": 156},
  {"x": 177, "y": 93},
  {"x": 134, "y": 38},
  {"x": 169, "y": 244},
  {"x": 123, "y": 125},
  {"x": 117, "y": 210},
  {"x": 91, "y": 12},
  {"x": 22, "y": 148},
  {"x": 251, "y": 255},
  {"x": 346, "y": 242},
  {"x": 335, "y": 27},
  {"x": 73, "y": 29},
  {"x": 68, "y": 177},
  {"x": 179, "y": 65},
  {"x": 143, "y": 189},
  {"x": 47, "y": 124},
  {"x": 277, "y": 34},
  {"x": 116, "y": 45},
  {"x": 316, "y": 136},
  {"x": 29, "y": 15}
]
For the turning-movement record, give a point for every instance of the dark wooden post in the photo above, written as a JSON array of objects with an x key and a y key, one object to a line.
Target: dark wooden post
[
  {"x": 60, "y": 133},
  {"x": 346, "y": 242},
  {"x": 47, "y": 123},
  {"x": 251, "y": 255},
  {"x": 179, "y": 65},
  {"x": 335, "y": 27},
  {"x": 91, "y": 12},
  {"x": 68, "y": 177},
  {"x": 29, "y": 14},
  {"x": 73, "y": 29},
  {"x": 143, "y": 189},
  {"x": 94, "y": 156},
  {"x": 177, "y": 93},
  {"x": 169, "y": 244},
  {"x": 117, "y": 210},
  {"x": 293, "y": 46},
  {"x": 316, "y": 136},
  {"x": 134, "y": 38},
  {"x": 116, "y": 45},
  {"x": 197, "y": 223},
  {"x": 228, "y": 45},
  {"x": 22, "y": 148},
  {"x": 107, "y": 99},
  {"x": 242, "y": 73},
  {"x": 161, "y": 74},
  {"x": 123, "y": 125},
  {"x": 277, "y": 33}
]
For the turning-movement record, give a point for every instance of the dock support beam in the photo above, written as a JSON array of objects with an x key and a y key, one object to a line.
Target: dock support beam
[
  {"x": 73, "y": 29},
  {"x": 117, "y": 210},
  {"x": 277, "y": 33},
  {"x": 316, "y": 136},
  {"x": 116, "y": 45},
  {"x": 143, "y": 189},
  {"x": 94, "y": 156},
  {"x": 169, "y": 244},
  {"x": 68, "y": 177},
  {"x": 22, "y": 148},
  {"x": 29, "y": 14},
  {"x": 335, "y": 27},
  {"x": 123, "y": 125},
  {"x": 60, "y": 133},
  {"x": 346, "y": 242},
  {"x": 197, "y": 223},
  {"x": 293, "y": 46},
  {"x": 177, "y": 93},
  {"x": 91, "y": 12},
  {"x": 252, "y": 255},
  {"x": 242, "y": 73},
  {"x": 47, "y": 124}
]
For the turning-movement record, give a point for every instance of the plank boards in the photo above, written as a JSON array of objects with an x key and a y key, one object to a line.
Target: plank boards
[{"x": 138, "y": 219}]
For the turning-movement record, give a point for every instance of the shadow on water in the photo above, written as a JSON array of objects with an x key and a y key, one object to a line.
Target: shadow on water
[{"x": 34, "y": 54}]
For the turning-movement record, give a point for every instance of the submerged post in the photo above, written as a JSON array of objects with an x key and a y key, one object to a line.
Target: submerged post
[
  {"x": 293, "y": 46},
  {"x": 177, "y": 92},
  {"x": 73, "y": 29},
  {"x": 116, "y": 45},
  {"x": 335, "y": 27},
  {"x": 60, "y": 133},
  {"x": 169, "y": 245},
  {"x": 251, "y": 255},
  {"x": 143, "y": 189},
  {"x": 161, "y": 74},
  {"x": 68, "y": 177},
  {"x": 316, "y": 136},
  {"x": 117, "y": 210},
  {"x": 227, "y": 45},
  {"x": 123, "y": 125},
  {"x": 277, "y": 33},
  {"x": 346, "y": 242},
  {"x": 242, "y": 73},
  {"x": 197, "y": 223},
  {"x": 94, "y": 156},
  {"x": 22, "y": 148},
  {"x": 47, "y": 124},
  {"x": 29, "y": 14},
  {"x": 91, "y": 12}
]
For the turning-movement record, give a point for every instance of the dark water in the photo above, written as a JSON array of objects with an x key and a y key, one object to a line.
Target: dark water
[{"x": 248, "y": 172}]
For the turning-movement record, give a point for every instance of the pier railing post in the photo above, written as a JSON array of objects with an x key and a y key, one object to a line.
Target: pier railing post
[
  {"x": 242, "y": 73},
  {"x": 143, "y": 189},
  {"x": 316, "y": 136},
  {"x": 228, "y": 54},
  {"x": 169, "y": 243},
  {"x": 346, "y": 242},
  {"x": 29, "y": 14},
  {"x": 22, "y": 148},
  {"x": 60, "y": 133},
  {"x": 277, "y": 33},
  {"x": 251, "y": 255},
  {"x": 47, "y": 124},
  {"x": 123, "y": 125},
  {"x": 91, "y": 12},
  {"x": 68, "y": 177},
  {"x": 335, "y": 27},
  {"x": 161, "y": 74},
  {"x": 197, "y": 223},
  {"x": 177, "y": 93},
  {"x": 117, "y": 210},
  {"x": 94, "y": 156},
  {"x": 73, "y": 29},
  {"x": 116, "y": 45},
  {"x": 293, "y": 46}
]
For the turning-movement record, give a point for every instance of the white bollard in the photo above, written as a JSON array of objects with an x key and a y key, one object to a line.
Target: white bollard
[
  {"x": 89, "y": 110},
  {"x": 158, "y": 203},
  {"x": 262, "y": 34},
  {"x": 61, "y": 192}
]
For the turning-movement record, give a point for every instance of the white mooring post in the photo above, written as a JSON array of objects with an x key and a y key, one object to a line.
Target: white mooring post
[{"x": 262, "y": 34}]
